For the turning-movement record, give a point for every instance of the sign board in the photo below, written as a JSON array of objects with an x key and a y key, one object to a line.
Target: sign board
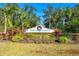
[{"x": 38, "y": 29}]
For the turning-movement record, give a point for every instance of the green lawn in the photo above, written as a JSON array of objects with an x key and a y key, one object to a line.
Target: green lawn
[{"x": 28, "y": 49}]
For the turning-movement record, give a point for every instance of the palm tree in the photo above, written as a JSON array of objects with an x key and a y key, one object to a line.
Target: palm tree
[
  {"x": 9, "y": 11},
  {"x": 51, "y": 16},
  {"x": 48, "y": 15}
]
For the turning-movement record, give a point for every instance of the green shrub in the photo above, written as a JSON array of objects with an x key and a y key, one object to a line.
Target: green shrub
[
  {"x": 18, "y": 37},
  {"x": 63, "y": 39}
]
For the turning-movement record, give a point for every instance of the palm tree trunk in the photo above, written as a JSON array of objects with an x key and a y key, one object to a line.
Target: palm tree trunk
[
  {"x": 22, "y": 26},
  {"x": 5, "y": 24},
  {"x": 50, "y": 22}
]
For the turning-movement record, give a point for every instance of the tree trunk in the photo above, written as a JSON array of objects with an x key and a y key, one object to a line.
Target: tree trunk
[
  {"x": 5, "y": 24},
  {"x": 22, "y": 27},
  {"x": 50, "y": 22}
]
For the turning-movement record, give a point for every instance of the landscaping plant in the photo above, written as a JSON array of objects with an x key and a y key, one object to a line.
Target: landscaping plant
[
  {"x": 18, "y": 37},
  {"x": 63, "y": 39}
]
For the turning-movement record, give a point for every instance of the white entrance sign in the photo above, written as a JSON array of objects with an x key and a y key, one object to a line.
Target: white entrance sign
[{"x": 38, "y": 29}]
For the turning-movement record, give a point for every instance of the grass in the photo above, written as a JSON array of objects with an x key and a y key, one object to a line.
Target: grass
[{"x": 31, "y": 49}]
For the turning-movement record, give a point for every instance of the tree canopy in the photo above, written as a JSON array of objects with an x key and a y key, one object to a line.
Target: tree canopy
[
  {"x": 12, "y": 16},
  {"x": 66, "y": 19}
]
